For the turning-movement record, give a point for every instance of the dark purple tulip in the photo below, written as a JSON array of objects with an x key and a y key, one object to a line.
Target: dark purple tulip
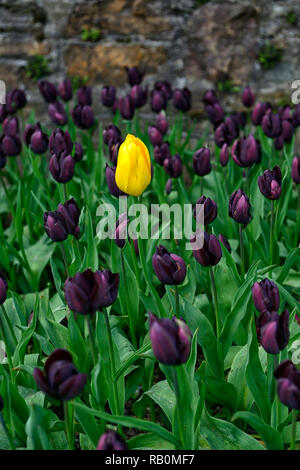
[
  {"x": 245, "y": 151},
  {"x": 168, "y": 187},
  {"x": 111, "y": 440},
  {"x": 225, "y": 132},
  {"x": 273, "y": 331},
  {"x": 63, "y": 222},
  {"x": 64, "y": 90},
  {"x": 211, "y": 252},
  {"x": 57, "y": 113},
  {"x": 279, "y": 142},
  {"x": 224, "y": 154},
  {"x": 232, "y": 128},
  {"x": 78, "y": 152},
  {"x": 210, "y": 98},
  {"x": 35, "y": 138},
  {"x": 114, "y": 151},
  {"x": 62, "y": 167},
  {"x": 134, "y": 75},
  {"x": 265, "y": 296},
  {"x": 182, "y": 99},
  {"x": 248, "y": 97},
  {"x": 270, "y": 183},
  {"x": 162, "y": 122},
  {"x": 296, "y": 170},
  {"x": 287, "y": 130},
  {"x": 296, "y": 116},
  {"x": 15, "y": 100},
  {"x": 84, "y": 96},
  {"x": 165, "y": 87},
  {"x": 10, "y": 146},
  {"x": 215, "y": 113},
  {"x": 288, "y": 384},
  {"x": 285, "y": 113},
  {"x": 171, "y": 340},
  {"x": 169, "y": 267},
  {"x": 139, "y": 95},
  {"x": 11, "y": 126},
  {"x": 162, "y": 152},
  {"x": 111, "y": 133},
  {"x": 201, "y": 161},
  {"x": 173, "y": 166},
  {"x": 60, "y": 379},
  {"x": 48, "y": 91},
  {"x": 71, "y": 213},
  {"x": 108, "y": 96},
  {"x": 225, "y": 242},
  {"x": 111, "y": 182},
  {"x": 83, "y": 116},
  {"x": 155, "y": 136},
  {"x": 239, "y": 207},
  {"x": 126, "y": 107},
  {"x": 271, "y": 125},
  {"x": 3, "y": 288},
  {"x": 240, "y": 118},
  {"x": 158, "y": 101},
  {"x": 90, "y": 291},
  {"x": 259, "y": 112},
  {"x": 115, "y": 107},
  {"x": 121, "y": 230},
  {"x": 60, "y": 141},
  {"x": 3, "y": 112},
  {"x": 210, "y": 209}
]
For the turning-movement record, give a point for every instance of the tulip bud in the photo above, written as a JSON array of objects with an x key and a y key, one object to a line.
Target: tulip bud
[
  {"x": 57, "y": 113},
  {"x": 62, "y": 167},
  {"x": 168, "y": 187},
  {"x": 270, "y": 183},
  {"x": 265, "y": 296},
  {"x": 210, "y": 253},
  {"x": 215, "y": 113},
  {"x": 60, "y": 141},
  {"x": 60, "y": 378},
  {"x": 55, "y": 226},
  {"x": 158, "y": 101},
  {"x": 126, "y": 107},
  {"x": 288, "y": 384},
  {"x": 134, "y": 75},
  {"x": 169, "y": 268},
  {"x": 11, "y": 126},
  {"x": 155, "y": 136},
  {"x": 210, "y": 98},
  {"x": 48, "y": 91},
  {"x": 225, "y": 242},
  {"x": 240, "y": 118},
  {"x": 210, "y": 209},
  {"x": 111, "y": 440},
  {"x": 114, "y": 151},
  {"x": 64, "y": 90},
  {"x": 271, "y": 125},
  {"x": 296, "y": 116},
  {"x": 133, "y": 172},
  {"x": 139, "y": 96},
  {"x": 226, "y": 132},
  {"x": 232, "y": 129},
  {"x": 89, "y": 291},
  {"x": 258, "y": 113},
  {"x": 273, "y": 331},
  {"x": 121, "y": 230},
  {"x": 35, "y": 138},
  {"x": 3, "y": 288},
  {"x": 115, "y": 107},
  {"x": 84, "y": 96},
  {"x": 111, "y": 134},
  {"x": 162, "y": 122},
  {"x": 10, "y": 145},
  {"x": 224, "y": 155},
  {"x": 245, "y": 151},
  {"x": 285, "y": 113},
  {"x": 248, "y": 97},
  {"x": 171, "y": 340},
  {"x": 173, "y": 166},
  {"x": 201, "y": 162},
  {"x": 83, "y": 116},
  {"x": 3, "y": 112},
  {"x": 239, "y": 207},
  {"x": 287, "y": 130},
  {"x": 15, "y": 100},
  {"x": 78, "y": 152},
  {"x": 71, "y": 213},
  {"x": 162, "y": 152},
  {"x": 111, "y": 182},
  {"x": 108, "y": 96},
  {"x": 296, "y": 170},
  {"x": 182, "y": 99},
  {"x": 279, "y": 142},
  {"x": 165, "y": 87}
]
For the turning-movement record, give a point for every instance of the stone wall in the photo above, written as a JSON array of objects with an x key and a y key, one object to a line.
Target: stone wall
[{"x": 201, "y": 44}]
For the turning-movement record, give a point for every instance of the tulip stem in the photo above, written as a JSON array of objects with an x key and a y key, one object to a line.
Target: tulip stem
[
  {"x": 177, "y": 406},
  {"x": 242, "y": 252},
  {"x": 294, "y": 424},
  {"x": 6, "y": 431},
  {"x": 64, "y": 258},
  {"x": 69, "y": 426},
  {"x": 177, "y": 311},
  {"x": 65, "y": 192},
  {"x": 91, "y": 338},
  {"x": 131, "y": 326},
  {"x": 271, "y": 235},
  {"x": 112, "y": 362},
  {"x": 215, "y": 298}
]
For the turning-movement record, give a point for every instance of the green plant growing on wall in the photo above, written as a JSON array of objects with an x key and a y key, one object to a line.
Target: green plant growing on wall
[
  {"x": 291, "y": 18},
  {"x": 269, "y": 55},
  {"x": 77, "y": 81},
  {"x": 227, "y": 86},
  {"x": 37, "y": 67},
  {"x": 90, "y": 34}
]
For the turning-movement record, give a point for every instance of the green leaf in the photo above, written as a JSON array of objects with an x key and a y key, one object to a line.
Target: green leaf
[{"x": 270, "y": 436}]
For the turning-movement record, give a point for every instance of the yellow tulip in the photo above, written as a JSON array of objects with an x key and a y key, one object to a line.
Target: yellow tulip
[{"x": 133, "y": 172}]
